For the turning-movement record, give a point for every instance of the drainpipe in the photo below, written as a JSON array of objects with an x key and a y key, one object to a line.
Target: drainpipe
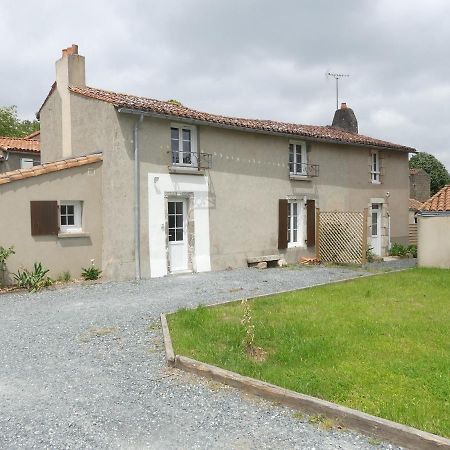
[
  {"x": 137, "y": 200},
  {"x": 389, "y": 231}
]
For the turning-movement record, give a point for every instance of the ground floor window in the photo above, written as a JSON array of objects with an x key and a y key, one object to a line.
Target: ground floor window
[
  {"x": 296, "y": 228},
  {"x": 26, "y": 163},
  {"x": 70, "y": 213}
]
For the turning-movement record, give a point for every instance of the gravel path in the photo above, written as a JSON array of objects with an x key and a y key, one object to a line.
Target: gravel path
[{"x": 83, "y": 367}]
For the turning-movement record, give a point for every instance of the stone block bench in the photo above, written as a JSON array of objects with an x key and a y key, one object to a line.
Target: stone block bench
[{"x": 262, "y": 262}]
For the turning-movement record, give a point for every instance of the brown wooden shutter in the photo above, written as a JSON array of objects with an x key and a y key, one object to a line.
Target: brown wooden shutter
[
  {"x": 282, "y": 224},
  {"x": 44, "y": 218},
  {"x": 310, "y": 223}
]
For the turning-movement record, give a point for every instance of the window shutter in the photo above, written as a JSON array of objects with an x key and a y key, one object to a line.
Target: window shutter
[
  {"x": 310, "y": 223},
  {"x": 44, "y": 218},
  {"x": 282, "y": 224}
]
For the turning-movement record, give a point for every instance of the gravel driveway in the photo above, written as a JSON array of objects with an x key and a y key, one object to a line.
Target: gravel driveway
[{"x": 83, "y": 367}]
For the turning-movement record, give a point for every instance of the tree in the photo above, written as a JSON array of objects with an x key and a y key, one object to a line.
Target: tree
[
  {"x": 433, "y": 167},
  {"x": 11, "y": 125}
]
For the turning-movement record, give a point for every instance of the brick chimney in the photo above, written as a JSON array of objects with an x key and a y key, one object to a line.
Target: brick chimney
[
  {"x": 345, "y": 119},
  {"x": 70, "y": 71}
]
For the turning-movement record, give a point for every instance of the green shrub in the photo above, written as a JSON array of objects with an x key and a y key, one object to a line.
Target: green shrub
[
  {"x": 370, "y": 255},
  {"x": 91, "y": 273},
  {"x": 412, "y": 250},
  {"x": 397, "y": 250},
  {"x": 5, "y": 253},
  {"x": 33, "y": 280}
]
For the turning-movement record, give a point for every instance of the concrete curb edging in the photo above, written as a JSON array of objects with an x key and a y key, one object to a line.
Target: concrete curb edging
[
  {"x": 356, "y": 420},
  {"x": 170, "y": 355}
]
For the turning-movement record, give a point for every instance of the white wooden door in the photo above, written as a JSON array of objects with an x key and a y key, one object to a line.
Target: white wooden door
[
  {"x": 178, "y": 240},
  {"x": 376, "y": 228}
]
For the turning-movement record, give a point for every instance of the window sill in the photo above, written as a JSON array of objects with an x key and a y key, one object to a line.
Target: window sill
[
  {"x": 186, "y": 169},
  {"x": 296, "y": 245},
  {"x": 78, "y": 234},
  {"x": 295, "y": 176},
  {"x": 376, "y": 182}
]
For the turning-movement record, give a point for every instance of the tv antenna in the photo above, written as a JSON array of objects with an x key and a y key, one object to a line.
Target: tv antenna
[{"x": 337, "y": 77}]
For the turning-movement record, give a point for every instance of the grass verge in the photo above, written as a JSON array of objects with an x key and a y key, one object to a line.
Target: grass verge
[{"x": 379, "y": 344}]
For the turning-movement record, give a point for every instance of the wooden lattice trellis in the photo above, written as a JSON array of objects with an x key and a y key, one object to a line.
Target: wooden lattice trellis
[{"x": 342, "y": 236}]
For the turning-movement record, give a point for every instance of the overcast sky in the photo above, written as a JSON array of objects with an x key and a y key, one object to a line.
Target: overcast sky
[{"x": 248, "y": 58}]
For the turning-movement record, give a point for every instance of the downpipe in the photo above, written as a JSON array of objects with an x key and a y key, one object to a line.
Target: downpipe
[{"x": 137, "y": 199}]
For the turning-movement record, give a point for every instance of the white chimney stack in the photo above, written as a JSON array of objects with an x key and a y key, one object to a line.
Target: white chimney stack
[{"x": 70, "y": 71}]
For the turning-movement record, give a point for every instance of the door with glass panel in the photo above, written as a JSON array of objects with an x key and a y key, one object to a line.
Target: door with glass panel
[
  {"x": 177, "y": 229},
  {"x": 376, "y": 228}
]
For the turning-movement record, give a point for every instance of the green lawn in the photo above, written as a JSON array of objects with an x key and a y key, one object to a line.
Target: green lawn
[{"x": 379, "y": 344}]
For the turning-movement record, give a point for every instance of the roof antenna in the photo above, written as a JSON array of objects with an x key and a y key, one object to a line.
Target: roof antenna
[{"x": 337, "y": 77}]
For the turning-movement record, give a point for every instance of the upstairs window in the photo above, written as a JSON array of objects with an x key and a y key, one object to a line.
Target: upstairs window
[
  {"x": 183, "y": 145},
  {"x": 298, "y": 163},
  {"x": 375, "y": 167}
]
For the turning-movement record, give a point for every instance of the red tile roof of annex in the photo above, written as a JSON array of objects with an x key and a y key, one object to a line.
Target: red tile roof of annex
[
  {"x": 20, "y": 144},
  {"x": 439, "y": 202}
]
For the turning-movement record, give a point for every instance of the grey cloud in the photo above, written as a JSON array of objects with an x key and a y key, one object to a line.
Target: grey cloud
[{"x": 248, "y": 58}]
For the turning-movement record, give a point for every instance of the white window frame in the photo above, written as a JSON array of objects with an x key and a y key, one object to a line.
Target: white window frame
[
  {"x": 297, "y": 223},
  {"x": 26, "y": 163},
  {"x": 303, "y": 156},
  {"x": 78, "y": 216},
  {"x": 194, "y": 152},
  {"x": 375, "y": 172}
]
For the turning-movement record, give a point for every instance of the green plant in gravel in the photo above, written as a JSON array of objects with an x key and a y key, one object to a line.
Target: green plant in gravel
[
  {"x": 64, "y": 277},
  {"x": 412, "y": 250},
  {"x": 378, "y": 344},
  {"x": 91, "y": 272},
  {"x": 33, "y": 280},
  {"x": 370, "y": 255},
  {"x": 5, "y": 253},
  {"x": 397, "y": 250}
]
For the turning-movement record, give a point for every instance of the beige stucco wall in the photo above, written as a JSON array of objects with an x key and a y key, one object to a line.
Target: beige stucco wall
[
  {"x": 249, "y": 174},
  {"x": 57, "y": 254},
  {"x": 14, "y": 158},
  {"x": 433, "y": 248},
  {"x": 51, "y": 129}
]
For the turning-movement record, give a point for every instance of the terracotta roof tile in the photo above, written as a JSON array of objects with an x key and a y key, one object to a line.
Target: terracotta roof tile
[
  {"x": 326, "y": 133},
  {"x": 20, "y": 144},
  {"x": 414, "y": 205},
  {"x": 35, "y": 135},
  {"x": 20, "y": 174},
  {"x": 439, "y": 202}
]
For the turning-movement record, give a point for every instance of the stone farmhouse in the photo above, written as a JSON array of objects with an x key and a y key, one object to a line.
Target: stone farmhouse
[{"x": 148, "y": 188}]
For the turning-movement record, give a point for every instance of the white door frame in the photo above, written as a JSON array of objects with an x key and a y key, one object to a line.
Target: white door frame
[
  {"x": 376, "y": 210},
  {"x": 178, "y": 245},
  {"x": 160, "y": 187}
]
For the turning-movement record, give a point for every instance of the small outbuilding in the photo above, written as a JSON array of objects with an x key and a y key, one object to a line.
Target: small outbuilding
[{"x": 434, "y": 231}]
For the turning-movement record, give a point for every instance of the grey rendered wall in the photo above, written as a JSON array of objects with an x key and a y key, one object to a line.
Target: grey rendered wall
[
  {"x": 13, "y": 162},
  {"x": 57, "y": 254},
  {"x": 249, "y": 174},
  {"x": 433, "y": 248},
  {"x": 420, "y": 186},
  {"x": 51, "y": 129}
]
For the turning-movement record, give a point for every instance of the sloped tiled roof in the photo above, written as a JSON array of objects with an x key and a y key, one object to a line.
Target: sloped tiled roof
[
  {"x": 35, "y": 135},
  {"x": 325, "y": 133},
  {"x": 439, "y": 202},
  {"x": 19, "y": 144},
  {"x": 414, "y": 205},
  {"x": 15, "y": 175}
]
